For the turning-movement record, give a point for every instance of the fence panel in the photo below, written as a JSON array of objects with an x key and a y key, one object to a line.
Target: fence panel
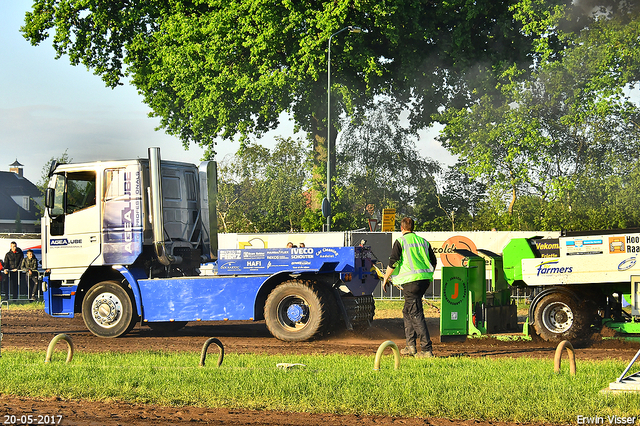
[{"x": 15, "y": 286}]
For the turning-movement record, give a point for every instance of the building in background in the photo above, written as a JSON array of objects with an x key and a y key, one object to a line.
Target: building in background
[{"x": 19, "y": 199}]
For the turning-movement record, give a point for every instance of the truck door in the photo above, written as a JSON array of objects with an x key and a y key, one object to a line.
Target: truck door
[{"x": 73, "y": 237}]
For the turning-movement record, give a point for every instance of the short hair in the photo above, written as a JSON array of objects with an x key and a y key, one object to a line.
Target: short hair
[
  {"x": 13, "y": 243},
  {"x": 407, "y": 224},
  {"x": 30, "y": 251}
]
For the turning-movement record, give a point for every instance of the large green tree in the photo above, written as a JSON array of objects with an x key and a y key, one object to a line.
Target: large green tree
[
  {"x": 211, "y": 68},
  {"x": 544, "y": 142}
]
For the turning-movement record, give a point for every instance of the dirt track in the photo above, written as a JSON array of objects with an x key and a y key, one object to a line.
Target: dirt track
[{"x": 34, "y": 330}]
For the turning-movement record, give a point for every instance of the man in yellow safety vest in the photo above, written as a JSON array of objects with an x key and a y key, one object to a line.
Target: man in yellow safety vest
[{"x": 411, "y": 267}]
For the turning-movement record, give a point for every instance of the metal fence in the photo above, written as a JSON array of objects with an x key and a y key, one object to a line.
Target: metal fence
[
  {"x": 433, "y": 292},
  {"x": 16, "y": 286}
]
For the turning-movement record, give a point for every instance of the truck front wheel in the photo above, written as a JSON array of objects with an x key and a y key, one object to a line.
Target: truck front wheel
[
  {"x": 559, "y": 317},
  {"x": 296, "y": 311},
  {"x": 107, "y": 310}
]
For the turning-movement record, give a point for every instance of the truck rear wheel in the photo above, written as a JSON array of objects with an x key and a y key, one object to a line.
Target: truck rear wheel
[
  {"x": 559, "y": 317},
  {"x": 296, "y": 311},
  {"x": 107, "y": 310}
]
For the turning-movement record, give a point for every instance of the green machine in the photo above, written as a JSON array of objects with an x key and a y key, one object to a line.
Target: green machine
[{"x": 468, "y": 308}]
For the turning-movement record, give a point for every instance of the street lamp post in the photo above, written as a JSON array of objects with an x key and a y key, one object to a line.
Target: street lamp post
[{"x": 326, "y": 203}]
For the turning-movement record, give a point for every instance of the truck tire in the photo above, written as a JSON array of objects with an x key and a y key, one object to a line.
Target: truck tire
[
  {"x": 296, "y": 311},
  {"x": 558, "y": 316},
  {"x": 107, "y": 310}
]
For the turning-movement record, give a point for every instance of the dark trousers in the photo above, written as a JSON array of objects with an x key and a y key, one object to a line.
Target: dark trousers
[
  {"x": 33, "y": 284},
  {"x": 415, "y": 325}
]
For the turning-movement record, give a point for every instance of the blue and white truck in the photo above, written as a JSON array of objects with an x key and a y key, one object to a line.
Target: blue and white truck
[{"x": 134, "y": 241}]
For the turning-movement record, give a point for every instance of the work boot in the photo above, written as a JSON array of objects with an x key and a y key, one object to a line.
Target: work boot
[
  {"x": 424, "y": 354},
  {"x": 408, "y": 350}
]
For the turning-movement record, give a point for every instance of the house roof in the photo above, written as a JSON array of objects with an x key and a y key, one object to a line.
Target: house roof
[
  {"x": 9, "y": 210},
  {"x": 16, "y": 164},
  {"x": 13, "y": 184}
]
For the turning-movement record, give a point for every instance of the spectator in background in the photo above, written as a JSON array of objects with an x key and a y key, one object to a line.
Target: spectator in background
[
  {"x": 12, "y": 264},
  {"x": 30, "y": 267},
  {"x": 302, "y": 245}
]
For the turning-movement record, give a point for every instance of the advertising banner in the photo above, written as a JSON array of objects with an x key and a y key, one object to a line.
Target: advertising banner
[{"x": 122, "y": 215}]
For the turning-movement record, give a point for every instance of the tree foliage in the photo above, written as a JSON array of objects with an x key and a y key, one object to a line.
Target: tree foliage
[
  {"x": 565, "y": 134},
  {"x": 209, "y": 68},
  {"x": 263, "y": 191},
  {"x": 533, "y": 95},
  {"x": 380, "y": 165}
]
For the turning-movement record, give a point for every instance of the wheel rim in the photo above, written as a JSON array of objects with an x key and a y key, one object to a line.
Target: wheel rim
[
  {"x": 557, "y": 317},
  {"x": 107, "y": 310},
  {"x": 293, "y": 312}
]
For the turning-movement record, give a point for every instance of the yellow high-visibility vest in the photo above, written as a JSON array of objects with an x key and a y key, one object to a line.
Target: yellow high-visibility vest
[{"x": 414, "y": 265}]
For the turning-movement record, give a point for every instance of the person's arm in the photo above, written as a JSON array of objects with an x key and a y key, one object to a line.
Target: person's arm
[
  {"x": 432, "y": 258},
  {"x": 396, "y": 254}
]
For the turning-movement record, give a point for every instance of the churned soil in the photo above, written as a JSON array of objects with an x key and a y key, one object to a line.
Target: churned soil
[{"x": 33, "y": 330}]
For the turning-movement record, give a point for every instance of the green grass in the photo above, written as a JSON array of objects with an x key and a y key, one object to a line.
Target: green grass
[
  {"x": 431, "y": 307},
  {"x": 504, "y": 389},
  {"x": 26, "y": 306},
  {"x": 389, "y": 304}
]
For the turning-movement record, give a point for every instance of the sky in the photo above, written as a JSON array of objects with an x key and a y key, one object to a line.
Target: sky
[{"x": 48, "y": 106}]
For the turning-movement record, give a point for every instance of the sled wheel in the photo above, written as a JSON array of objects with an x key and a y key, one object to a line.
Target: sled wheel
[{"x": 559, "y": 317}]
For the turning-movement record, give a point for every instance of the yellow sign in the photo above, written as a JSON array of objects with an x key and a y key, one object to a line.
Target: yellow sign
[{"x": 388, "y": 220}]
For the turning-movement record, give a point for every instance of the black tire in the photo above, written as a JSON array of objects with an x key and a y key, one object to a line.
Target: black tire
[
  {"x": 559, "y": 317},
  {"x": 167, "y": 326},
  {"x": 107, "y": 310},
  {"x": 296, "y": 311},
  {"x": 333, "y": 320}
]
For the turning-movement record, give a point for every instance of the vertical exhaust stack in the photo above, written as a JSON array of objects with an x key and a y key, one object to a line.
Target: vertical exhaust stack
[
  {"x": 208, "y": 173},
  {"x": 157, "y": 218}
]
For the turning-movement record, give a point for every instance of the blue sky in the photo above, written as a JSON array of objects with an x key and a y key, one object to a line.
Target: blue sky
[{"x": 48, "y": 106}]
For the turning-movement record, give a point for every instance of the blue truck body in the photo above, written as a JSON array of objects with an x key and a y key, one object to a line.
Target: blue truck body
[{"x": 243, "y": 278}]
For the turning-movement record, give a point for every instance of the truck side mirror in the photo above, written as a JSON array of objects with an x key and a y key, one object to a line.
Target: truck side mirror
[{"x": 49, "y": 197}]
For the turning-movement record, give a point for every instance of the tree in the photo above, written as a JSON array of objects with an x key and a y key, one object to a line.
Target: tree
[
  {"x": 18, "y": 222},
  {"x": 546, "y": 139},
  {"x": 213, "y": 69},
  {"x": 451, "y": 202},
  {"x": 379, "y": 165},
  {"x": 264, "y": 191}
]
